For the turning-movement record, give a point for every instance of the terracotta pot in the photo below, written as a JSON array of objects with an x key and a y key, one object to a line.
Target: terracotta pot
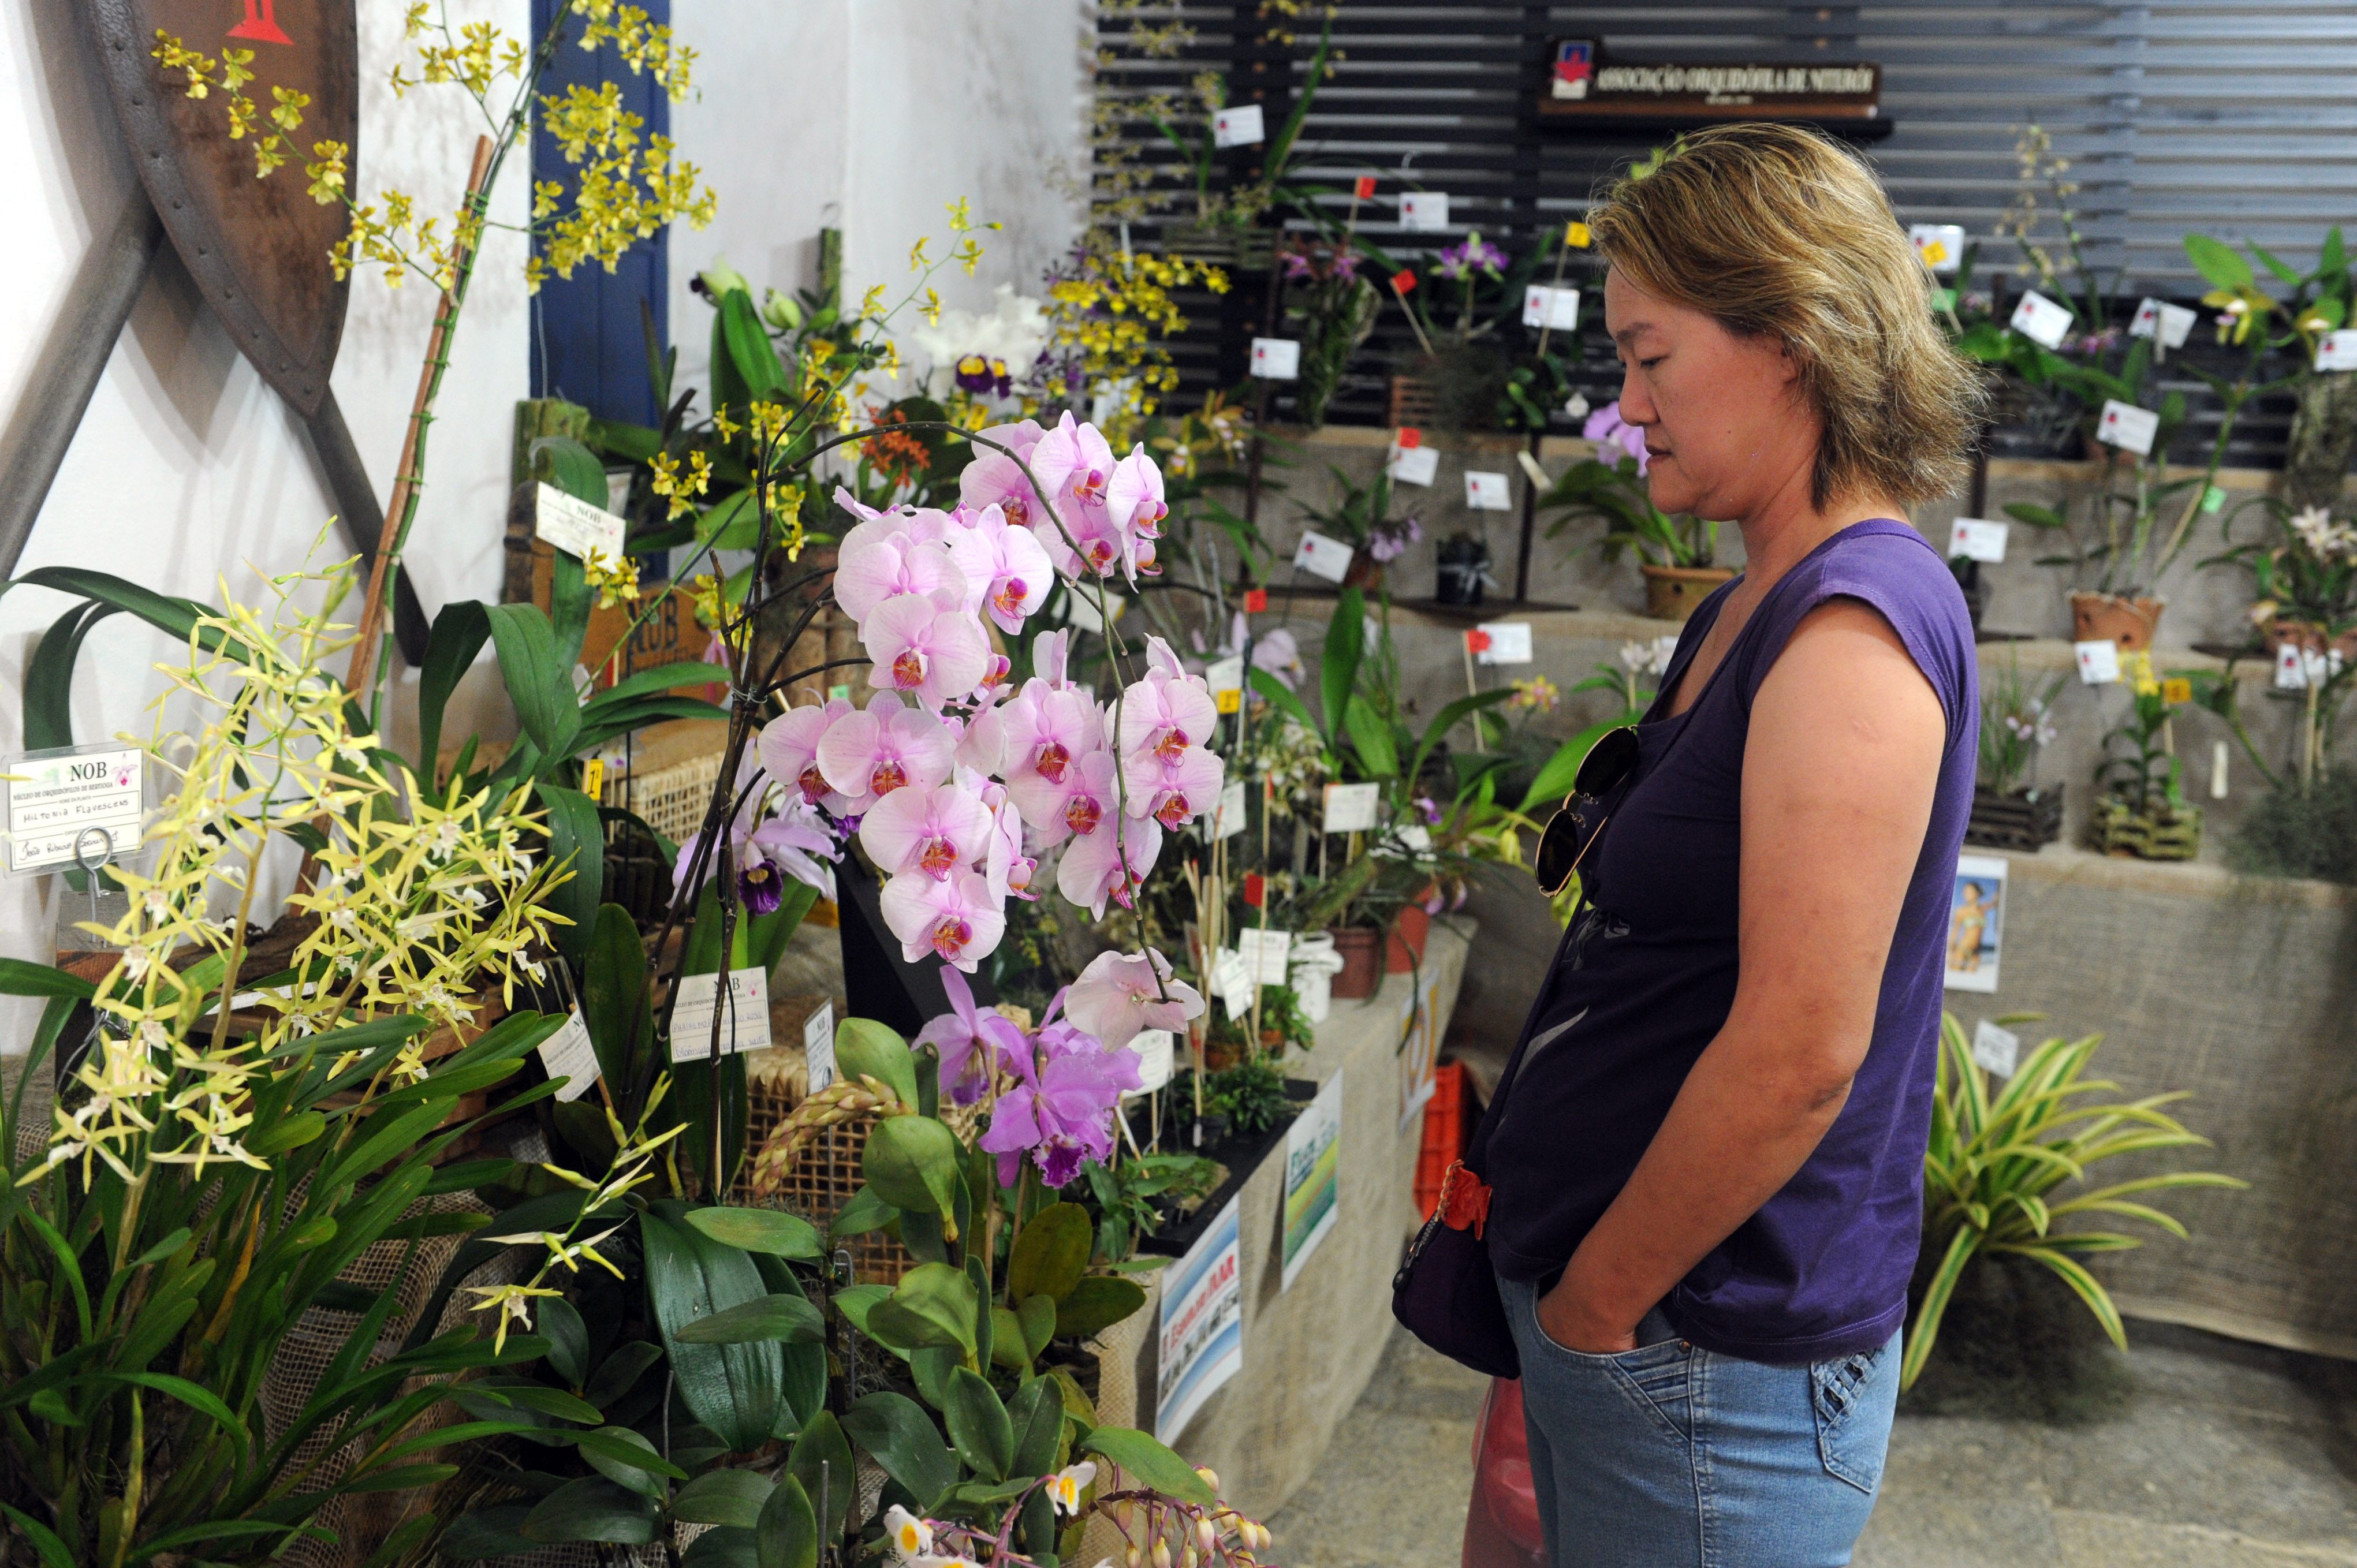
[
  {"x": 1404, "y": 951},
  {"x": 1359, "y": 948},
  {"x": 1366, "y": 572},
  {"x": 2108, "y": 617},
  {"x": 1673, "y": 592},
  {"x": 2306, "y": 634}
]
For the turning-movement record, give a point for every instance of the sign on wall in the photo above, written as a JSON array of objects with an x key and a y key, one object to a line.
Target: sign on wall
[{"x": 1588, "y": 84}]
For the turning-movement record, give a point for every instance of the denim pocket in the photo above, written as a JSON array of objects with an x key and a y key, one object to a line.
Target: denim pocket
[{"x": 1853, "y": 1410}]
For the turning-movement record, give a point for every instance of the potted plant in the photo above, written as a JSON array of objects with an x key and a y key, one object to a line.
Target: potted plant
[
  {"x": 1461, "y": 569},
  {"x": 2141, "y": 810},
  {"x": 1362, "y": 517},
  {"x": 2010, "y": 809},
  {"x": 1676, "y": 555},
  {"x": 1334, "y": 310}
]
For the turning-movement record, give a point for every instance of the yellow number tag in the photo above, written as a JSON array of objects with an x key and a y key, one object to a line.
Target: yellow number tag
[
  {"x": 1230, "y": 700},
  {"x": 1935, "y": 253},
  {"x": 2177, "y": 689},
  {"x": 1575, "y": 236},
  {"x": 593, "y": 777}
]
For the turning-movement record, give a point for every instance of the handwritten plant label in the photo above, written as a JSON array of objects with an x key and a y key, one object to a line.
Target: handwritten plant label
[
  {"x": 1323, "y": 557},
  {"x": 56, "y": 797},
  {"x": 1977, "y": 539},
  {"x": 1277, "y": 359},
  {"x": 1240, "y": 125},
  {"x": 2127, "y": 427},
  {"x": 1487, "y": 492},
  {"x": 1995, "y": 1049},
  {"x": 1423, "y": 212},
  {"x": 2166, "y": 324},
  {"x": 745, "y": 1020},
  {"x": 2099, "y": 662},
  {"x": 1232, "y": 977},
  {"x": 575, "y": 526},
  {"x": 2041, "y": 320},
  {"x": 1266, "y": 953},
  {"x": 568, "y": 1054},
  {"x": 1155, "y": 1050},
  {"x": 1413, "y": 465},
  {"x": 2336, "y": 350},
  {"x": 1510, "y": 642},
  {"x": 1557, "y": 308},
  {"x": 1351, "y": 807},
  {"x": 1942, "y": 245},
  {"x": 1227, "y": 818},
  {"x": 818, "y": 1046}
]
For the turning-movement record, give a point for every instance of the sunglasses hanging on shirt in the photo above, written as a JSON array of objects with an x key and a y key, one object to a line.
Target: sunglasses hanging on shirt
[{"x": 1567, "y": 837}]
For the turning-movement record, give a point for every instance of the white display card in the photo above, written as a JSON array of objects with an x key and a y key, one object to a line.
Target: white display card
[
  {"x": 2336, "y": 350},
  {"x": 1081, "y": 606},
  {"x": 2297, "y": 668},
  {"x": 1156, "y": 1049},
  {"x": 1225, "y": 674},
  {"x": 818, "y": 1046},
  {"x": 2099, "y": 662},
  {"x": 2159, "y": 319},
  {"x": 2041, "y": 320},
  {"x": 2127, "y": 427},
  {"x": 1323, "y": 557},
  {"x": 55, "y": 797},
  {"x": 1228, "y": 818},
  {"x": 1240, "y": 125},
  {"x": 1277, "y": 359},
  {"x": 1232, "y": 977},
  {"x": 1423, "y": 212},
  {"x": 1510, "y": 642},
  {"x": 1266, "y": 953},
  {"x": 1977, "y": 539},
  {"x": 744, "y": 1027},
  {"x": 568, "y": 1054},
  {"x": 1414, "y": 464},
  {"x": 1487, "y": 492},
  {"x": 1942, "y": 245},
  {"x": 575, "y": 526},
  {"x": 1995, "y": 1049},
  {"x": 1552, "y": 308},
  {"x": 1351, "y": 807},
  {"x": 1416, "y": 837}
]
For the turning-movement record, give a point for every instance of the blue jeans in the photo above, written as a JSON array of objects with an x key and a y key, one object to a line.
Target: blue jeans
[{"x": 1672, "y": 1456}]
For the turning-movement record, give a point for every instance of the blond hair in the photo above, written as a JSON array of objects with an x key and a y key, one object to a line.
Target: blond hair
[{"x": 1777, "y": 231}]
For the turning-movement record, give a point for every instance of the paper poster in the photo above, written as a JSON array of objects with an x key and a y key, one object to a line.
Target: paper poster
[
  {"x": 1277, "y": 359},
  {"x": 2158, "y": 318},
  {"x": 2099, "y": 662},
  {"x": 1976, "y": 922},
  {"x": 57, "y": 796},
  {"x": 1977, "y": 539},
  {"x": 1323, "y": 557},
  {"x": 2336, "y": 350},
  {"x": 1509, "y": 642},
  {"x": 745, "y": 1024},
  {"x": 1156, "y": 1049},
  {"x": 1202, "y": 1327},
  {"x": 2127, "y": 427},
  {"x": 568, "y": 1054},
  {"x": 1423, "y": 212},
  {"x": 575, "y": 526},
  {"x": 1241, "y": 125},
  {"x": 1556, "y": 308},
  {"x": 1414, "y": 464},
  {"x": 2040, "y": 321},
  {"x": 1487, "y": 492},
  {"x": 1995, "y": 1049},
  {"x": 1351, "y": 807},
  {"x": 818, "y": 1047},
  {"x": 1313, "y": 1189},
  {"x": 1420, "y": 1051},
  {"x": 1942, "y": 245}
]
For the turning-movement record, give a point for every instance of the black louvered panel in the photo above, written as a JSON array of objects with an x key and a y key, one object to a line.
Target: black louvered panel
[{"x": 2236, "y": 120}]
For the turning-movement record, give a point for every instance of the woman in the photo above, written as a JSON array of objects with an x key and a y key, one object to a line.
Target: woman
[{"x": 1707, "y": 1161}]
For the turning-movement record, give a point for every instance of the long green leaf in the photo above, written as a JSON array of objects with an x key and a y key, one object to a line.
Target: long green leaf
[
  {"x": 577, "y": 837},
  {"x": 538, "y": 684},
  {"x": 1338, "y": 671},
  {"x": 1370, "y": 737},
  {"x": 735, "y": 1389},
  {"x": 1925, "y": 1331}
]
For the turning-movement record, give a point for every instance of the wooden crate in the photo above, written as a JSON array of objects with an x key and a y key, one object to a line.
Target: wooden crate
[
  {"x": 2024, "y": 820},
  {"x": 2161, "y": 835}
]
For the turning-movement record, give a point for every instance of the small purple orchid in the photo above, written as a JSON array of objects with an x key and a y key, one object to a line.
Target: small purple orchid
[
  {"x": 1390, "y": 541},
  {"x": 1475, "y": 257},
  {"x": 796, "y": 842},
  {"x": 1608, "y": 429},
  {"x": 975, "y": 1043}
]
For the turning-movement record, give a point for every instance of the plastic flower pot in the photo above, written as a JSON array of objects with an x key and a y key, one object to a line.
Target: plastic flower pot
[
  {"x": 1404, "y": 950},
  {"x": 1361, "y": 950},
  {"x": 2110, "y": 618},
  {"x": 1673, "y": 592}
]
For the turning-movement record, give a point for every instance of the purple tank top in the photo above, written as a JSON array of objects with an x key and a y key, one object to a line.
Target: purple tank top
[{"x": 1646, "y": 975}]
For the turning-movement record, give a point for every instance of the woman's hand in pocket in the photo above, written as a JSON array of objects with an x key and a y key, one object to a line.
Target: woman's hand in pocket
[{"x": 1578, "y": 1324}]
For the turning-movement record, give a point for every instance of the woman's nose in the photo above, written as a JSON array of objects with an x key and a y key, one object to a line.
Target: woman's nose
[{"x": 1636, "y": 408}]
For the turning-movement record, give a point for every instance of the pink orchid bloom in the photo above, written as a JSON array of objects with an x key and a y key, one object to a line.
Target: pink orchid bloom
[
  {"x": 1073, "y": 459},
  {"x": 1005, "y": 867},
  {"x": 1165, "y": 712},
  {"x": 1075, "y": 801},
  {"x": 1134, "y": 495},
  {"x": 1173, "y": 790},
  {"x": 974, "y": 1042},
  {"x": 996, "y": 479},
  {"x": 925, "y": 646},
  {"x": 1091, "y": 870},
  {"x": 954, "y": 920},
  {"x": 1022, "y": 434},
  {"x": 865, "y": 756},
  {"x": 1051, "y": 652},
  {"x": 886, "y": 565},
  {"x": 852, "y": 504},
  {"x": 797, "y": 842},
  {"x": 1044, "y": 731},
  {"x": 1120, "y": 994},
  {"x": 936, "y": 831},
  {"x": 788, "y": 750},
  {"x": 1006, "y": 569}
]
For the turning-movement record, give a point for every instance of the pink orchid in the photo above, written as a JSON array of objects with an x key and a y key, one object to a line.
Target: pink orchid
[
  {"x": 1007, "y": 570},
  {"x": 997, "y": 478},
  {"x": 955, "y": 919},
  {"x": 1120, "y": 994},
  {"x": 1091, "y": 870},
  {"x": 936, "y": 831},
  {"x": 865, "y": 756},
  {"x": 975, "y": 1043},
  {"x": 1005, "y": 867},
  {"x": 1051, "y": 652},
  {"x": 1165, "y": 712},
  {"x": 886, "y": 565},
  {"x": 1134, "y": 495},
  {"x": 1074, "y": 460},
  {"x": 789, "y": 750},
  {"x": 1082, "y": 794},
  {"x": 926, "y": 646},
  {"x": 797, "y": 843},
  {"x": 1172, "y": 789},
  {"x": 1042, "y": 732}
]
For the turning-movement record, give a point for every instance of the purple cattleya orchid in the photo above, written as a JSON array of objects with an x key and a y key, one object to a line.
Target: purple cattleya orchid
[
  {"x": 796, "y": 842},
  {"x": 1607, "y": 428},
  {"x": 975, "y": 1043},
  {"x": 1390, "y": 541},
  {"x": 1475, "y": 257},
  {"x": 1060, "y": 1111}
]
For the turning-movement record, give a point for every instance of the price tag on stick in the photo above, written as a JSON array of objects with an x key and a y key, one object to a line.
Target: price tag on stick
[
  {"x": 2336, "y": 350},
  {"x": 2099, "y": 662},
  {"x": 575, "y": 526},
  {"x": 2127, "y": 427},
  {"x": 1487, "y": 492},
  {"x": 1977, "y": 539},
  {"x": 1277, "y": 359},
  {"x": 745, "y": 1015},
  {"x": 1240, "y": 125},
  {"x": 1995, "y": 1049},
  {"x": 818, "y": 1046},
  {"x": 1351, "y": 807},
  {"x": 1423, "y": 212},
  {"x": 1509, "y": 642},
  {"x": 63, "y": 801},
  {"x": 1414, "y": 464},
  {"x": 2041, "y": 320},
  {"x": 1323, "y": 557}
]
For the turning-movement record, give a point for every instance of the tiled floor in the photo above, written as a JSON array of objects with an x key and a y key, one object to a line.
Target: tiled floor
[{"x": 2223, "y": 1455}]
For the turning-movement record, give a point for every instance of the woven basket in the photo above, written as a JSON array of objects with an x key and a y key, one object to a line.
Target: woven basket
[{"x": 671, "y": 800}]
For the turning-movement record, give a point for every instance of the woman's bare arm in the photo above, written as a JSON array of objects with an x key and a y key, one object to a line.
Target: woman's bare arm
[{"x": 1840, "y": 766}]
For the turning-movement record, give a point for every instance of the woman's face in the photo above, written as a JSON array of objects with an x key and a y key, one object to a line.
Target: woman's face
[{"x": 1724, "y": 431}]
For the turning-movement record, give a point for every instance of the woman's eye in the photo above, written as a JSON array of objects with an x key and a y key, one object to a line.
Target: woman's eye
[{"x": 1648, "y": 364}]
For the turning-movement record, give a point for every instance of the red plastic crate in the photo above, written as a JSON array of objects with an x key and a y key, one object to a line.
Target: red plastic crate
[{"x": 1443, "y": 1135}]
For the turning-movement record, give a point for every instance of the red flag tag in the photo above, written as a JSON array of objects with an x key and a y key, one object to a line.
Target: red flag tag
[
  {"x": 1254, "y": 888},
  {"x": 1365, "y": 187},
  {"x": 1255, "y": 600},
  {"x": 1402, "y": 281},
  {"x": 1478, "y": 640},
  {"x": 1410, "y": 438}
]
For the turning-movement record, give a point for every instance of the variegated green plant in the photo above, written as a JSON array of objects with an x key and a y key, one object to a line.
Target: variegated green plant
[{"x": 1995, "y": 1161}]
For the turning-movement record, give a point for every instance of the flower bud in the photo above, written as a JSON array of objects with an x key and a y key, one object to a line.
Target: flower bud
[
  {"x": 1207, "y": 1534},
  {"x": 1133, "y": 1558},
  {"x": 1210, "y": 1479},
  {"x": 1161, "y": 1554}
]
